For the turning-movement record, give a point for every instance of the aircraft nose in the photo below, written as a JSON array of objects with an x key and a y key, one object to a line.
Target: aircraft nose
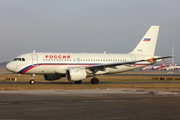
[{"x": 11, "y": 67}]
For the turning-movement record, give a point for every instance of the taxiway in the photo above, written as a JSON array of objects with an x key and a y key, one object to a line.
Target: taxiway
[{"x": 107, "y": 104}]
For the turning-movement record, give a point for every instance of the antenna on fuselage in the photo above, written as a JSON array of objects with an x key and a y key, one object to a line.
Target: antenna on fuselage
[{"x": 34, "y": 51}]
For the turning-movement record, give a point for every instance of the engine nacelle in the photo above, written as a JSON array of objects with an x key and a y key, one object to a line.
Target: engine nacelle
[
  {"x": 52, "y": 77},
  {"x": 76, "y": 74}
]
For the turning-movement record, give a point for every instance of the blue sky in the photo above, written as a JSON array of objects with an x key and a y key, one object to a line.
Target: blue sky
[{"x": 115, "y": 26}]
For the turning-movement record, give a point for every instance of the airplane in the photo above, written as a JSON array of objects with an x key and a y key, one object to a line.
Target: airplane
[
  {"x": 148, "y": 67},
  {"x": 161, "y": 67},
  {"x": 177, "y": 67},
  {"x": 172, "y": 67},
  {"x": 78, "y": 66},
  {"x": 152, "y": 67}
]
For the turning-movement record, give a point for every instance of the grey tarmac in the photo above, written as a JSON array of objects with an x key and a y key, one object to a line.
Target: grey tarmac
[{"x": 95, "y": 104}]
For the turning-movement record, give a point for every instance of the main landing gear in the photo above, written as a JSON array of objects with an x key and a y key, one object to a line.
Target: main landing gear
[
  {"x": 94, "y": 80},
  {"x": 32, "y": 79}
]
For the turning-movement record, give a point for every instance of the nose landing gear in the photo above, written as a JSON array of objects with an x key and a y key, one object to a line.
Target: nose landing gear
[{"x": 32, "y": 79}]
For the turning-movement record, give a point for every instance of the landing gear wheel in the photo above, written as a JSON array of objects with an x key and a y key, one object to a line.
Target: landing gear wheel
[
  {"x": 94, "y": 81},
  {"x": 78, "y": 82},
  {"x": 31, "y": 81}
]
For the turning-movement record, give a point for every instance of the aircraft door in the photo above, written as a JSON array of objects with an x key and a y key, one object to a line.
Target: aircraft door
[
  {"x": 133, "y": 58},
  {"x": 78, "y": 60},
  {"x": 34, "y": 59}
]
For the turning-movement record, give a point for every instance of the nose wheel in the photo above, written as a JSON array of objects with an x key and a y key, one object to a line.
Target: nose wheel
[{"x": 32, "y": 79}]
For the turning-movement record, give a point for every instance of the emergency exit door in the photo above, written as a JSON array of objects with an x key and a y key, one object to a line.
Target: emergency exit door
[{"x": 34, "y": 59}]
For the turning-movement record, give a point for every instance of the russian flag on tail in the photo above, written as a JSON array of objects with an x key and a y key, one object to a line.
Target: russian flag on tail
[{"x": 147, "y": 39}]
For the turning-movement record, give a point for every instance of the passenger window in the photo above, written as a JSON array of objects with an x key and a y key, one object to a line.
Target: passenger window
[
  {"x": 23, "y": 59},
  {"x": 19, "y": 59}
]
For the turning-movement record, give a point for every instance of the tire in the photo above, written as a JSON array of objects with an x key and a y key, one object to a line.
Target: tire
[
  {"x": 94, "y": 81},
  {"x": 31, "y": 81}
]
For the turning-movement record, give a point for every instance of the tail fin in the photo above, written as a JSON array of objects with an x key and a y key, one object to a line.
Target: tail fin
[
  {"x": 147, "y": 44},
  {"x": 163, "y": 64},
  {"x": 170, "y": 64}
]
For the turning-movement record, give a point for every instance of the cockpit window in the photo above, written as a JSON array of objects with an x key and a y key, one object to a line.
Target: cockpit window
[
  {"x": 19, "y": 59},
  {"x": 15, "y": 59}
]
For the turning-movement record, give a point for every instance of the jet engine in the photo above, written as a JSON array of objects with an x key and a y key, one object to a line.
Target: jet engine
[{"x": 76, "y": 74}]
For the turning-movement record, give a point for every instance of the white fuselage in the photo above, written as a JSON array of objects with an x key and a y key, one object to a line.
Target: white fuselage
[{"x": 58, "y": 63}]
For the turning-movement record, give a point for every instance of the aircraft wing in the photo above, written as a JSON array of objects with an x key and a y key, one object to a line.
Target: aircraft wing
[
  {"x": 163, "y": 57},
  {"x": 151, "y": 60},
  {"x": 128, "y": 63},
  {"x": 112, "y": 64}
]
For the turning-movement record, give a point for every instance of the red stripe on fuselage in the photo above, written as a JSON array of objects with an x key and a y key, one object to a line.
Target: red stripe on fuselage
[{"x": 70, "y": 65}]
